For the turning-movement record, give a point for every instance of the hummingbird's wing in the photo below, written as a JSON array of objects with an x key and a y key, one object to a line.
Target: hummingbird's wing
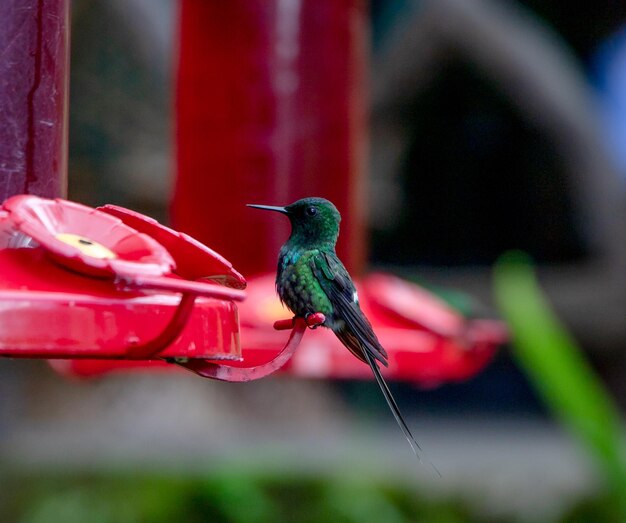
[
  {"x": 357, "y": 334},
  {"x": 354, "y": 330}
]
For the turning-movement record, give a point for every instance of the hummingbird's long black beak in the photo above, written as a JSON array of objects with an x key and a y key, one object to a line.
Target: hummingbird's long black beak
[{"x": 268, "y": 208}]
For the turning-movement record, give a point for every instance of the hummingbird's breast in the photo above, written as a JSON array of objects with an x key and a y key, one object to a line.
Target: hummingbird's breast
[{"x": 298, "y": 287}]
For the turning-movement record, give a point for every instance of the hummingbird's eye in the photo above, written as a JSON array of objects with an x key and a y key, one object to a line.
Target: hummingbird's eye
[{"x": 311, "y": 211}]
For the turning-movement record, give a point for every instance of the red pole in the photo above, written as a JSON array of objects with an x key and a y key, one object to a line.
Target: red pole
[
  {"x": 34, "y": 51},
  {"x": 270, "y": 107}
]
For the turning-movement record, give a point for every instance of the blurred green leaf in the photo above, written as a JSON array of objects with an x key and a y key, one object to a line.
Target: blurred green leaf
[
  {"x": 559, "y": 371},
  {"x": 356, "y": 502},
  {"x": 240, "y": 498}
]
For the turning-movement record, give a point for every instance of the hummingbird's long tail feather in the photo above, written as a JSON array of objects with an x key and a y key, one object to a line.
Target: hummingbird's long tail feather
[{"x": 393, "y": 406}]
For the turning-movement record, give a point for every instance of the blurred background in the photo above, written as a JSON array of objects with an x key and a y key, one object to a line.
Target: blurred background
[{"x": 494, "y": 125}]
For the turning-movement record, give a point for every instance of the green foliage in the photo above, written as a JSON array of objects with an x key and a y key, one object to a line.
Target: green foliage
[
  {"x": 222, "y": 497},
  {"x": 560, "y": 373},
  {"x": 243, "y": 496}
]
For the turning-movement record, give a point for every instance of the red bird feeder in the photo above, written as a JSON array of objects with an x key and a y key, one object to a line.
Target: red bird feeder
[{"x": 81, "y": 283}]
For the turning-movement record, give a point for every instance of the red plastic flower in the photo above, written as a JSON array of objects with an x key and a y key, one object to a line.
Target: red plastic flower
[
  {"x": 116, "y": 242},
  {"x": 86, "y": 240},
  {"x": 194, "y": 260}
]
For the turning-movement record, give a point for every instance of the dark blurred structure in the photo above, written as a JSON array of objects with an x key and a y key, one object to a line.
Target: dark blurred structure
[
  {"x": 119, "y": 143},
  {"x": 34, "y": 51},
  {"x": 486, "y": 137}
]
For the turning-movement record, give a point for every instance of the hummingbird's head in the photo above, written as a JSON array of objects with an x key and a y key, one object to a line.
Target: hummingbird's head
[{"x": 313, "y": 220}]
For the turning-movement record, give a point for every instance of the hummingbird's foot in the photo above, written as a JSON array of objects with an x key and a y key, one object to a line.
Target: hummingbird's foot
[{"x": 314, "y": 319}]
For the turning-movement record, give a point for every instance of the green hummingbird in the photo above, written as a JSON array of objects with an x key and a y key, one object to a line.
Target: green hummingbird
[{"x": 311, "y": 278}]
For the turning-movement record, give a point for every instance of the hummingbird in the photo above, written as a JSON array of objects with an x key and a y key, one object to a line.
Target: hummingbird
[{"x": 311, "y": 278}]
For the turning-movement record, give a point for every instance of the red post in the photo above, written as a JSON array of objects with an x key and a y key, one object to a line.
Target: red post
[
  {"x": 270, "y": 107},
  {"x": 34, "y": 51}
]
